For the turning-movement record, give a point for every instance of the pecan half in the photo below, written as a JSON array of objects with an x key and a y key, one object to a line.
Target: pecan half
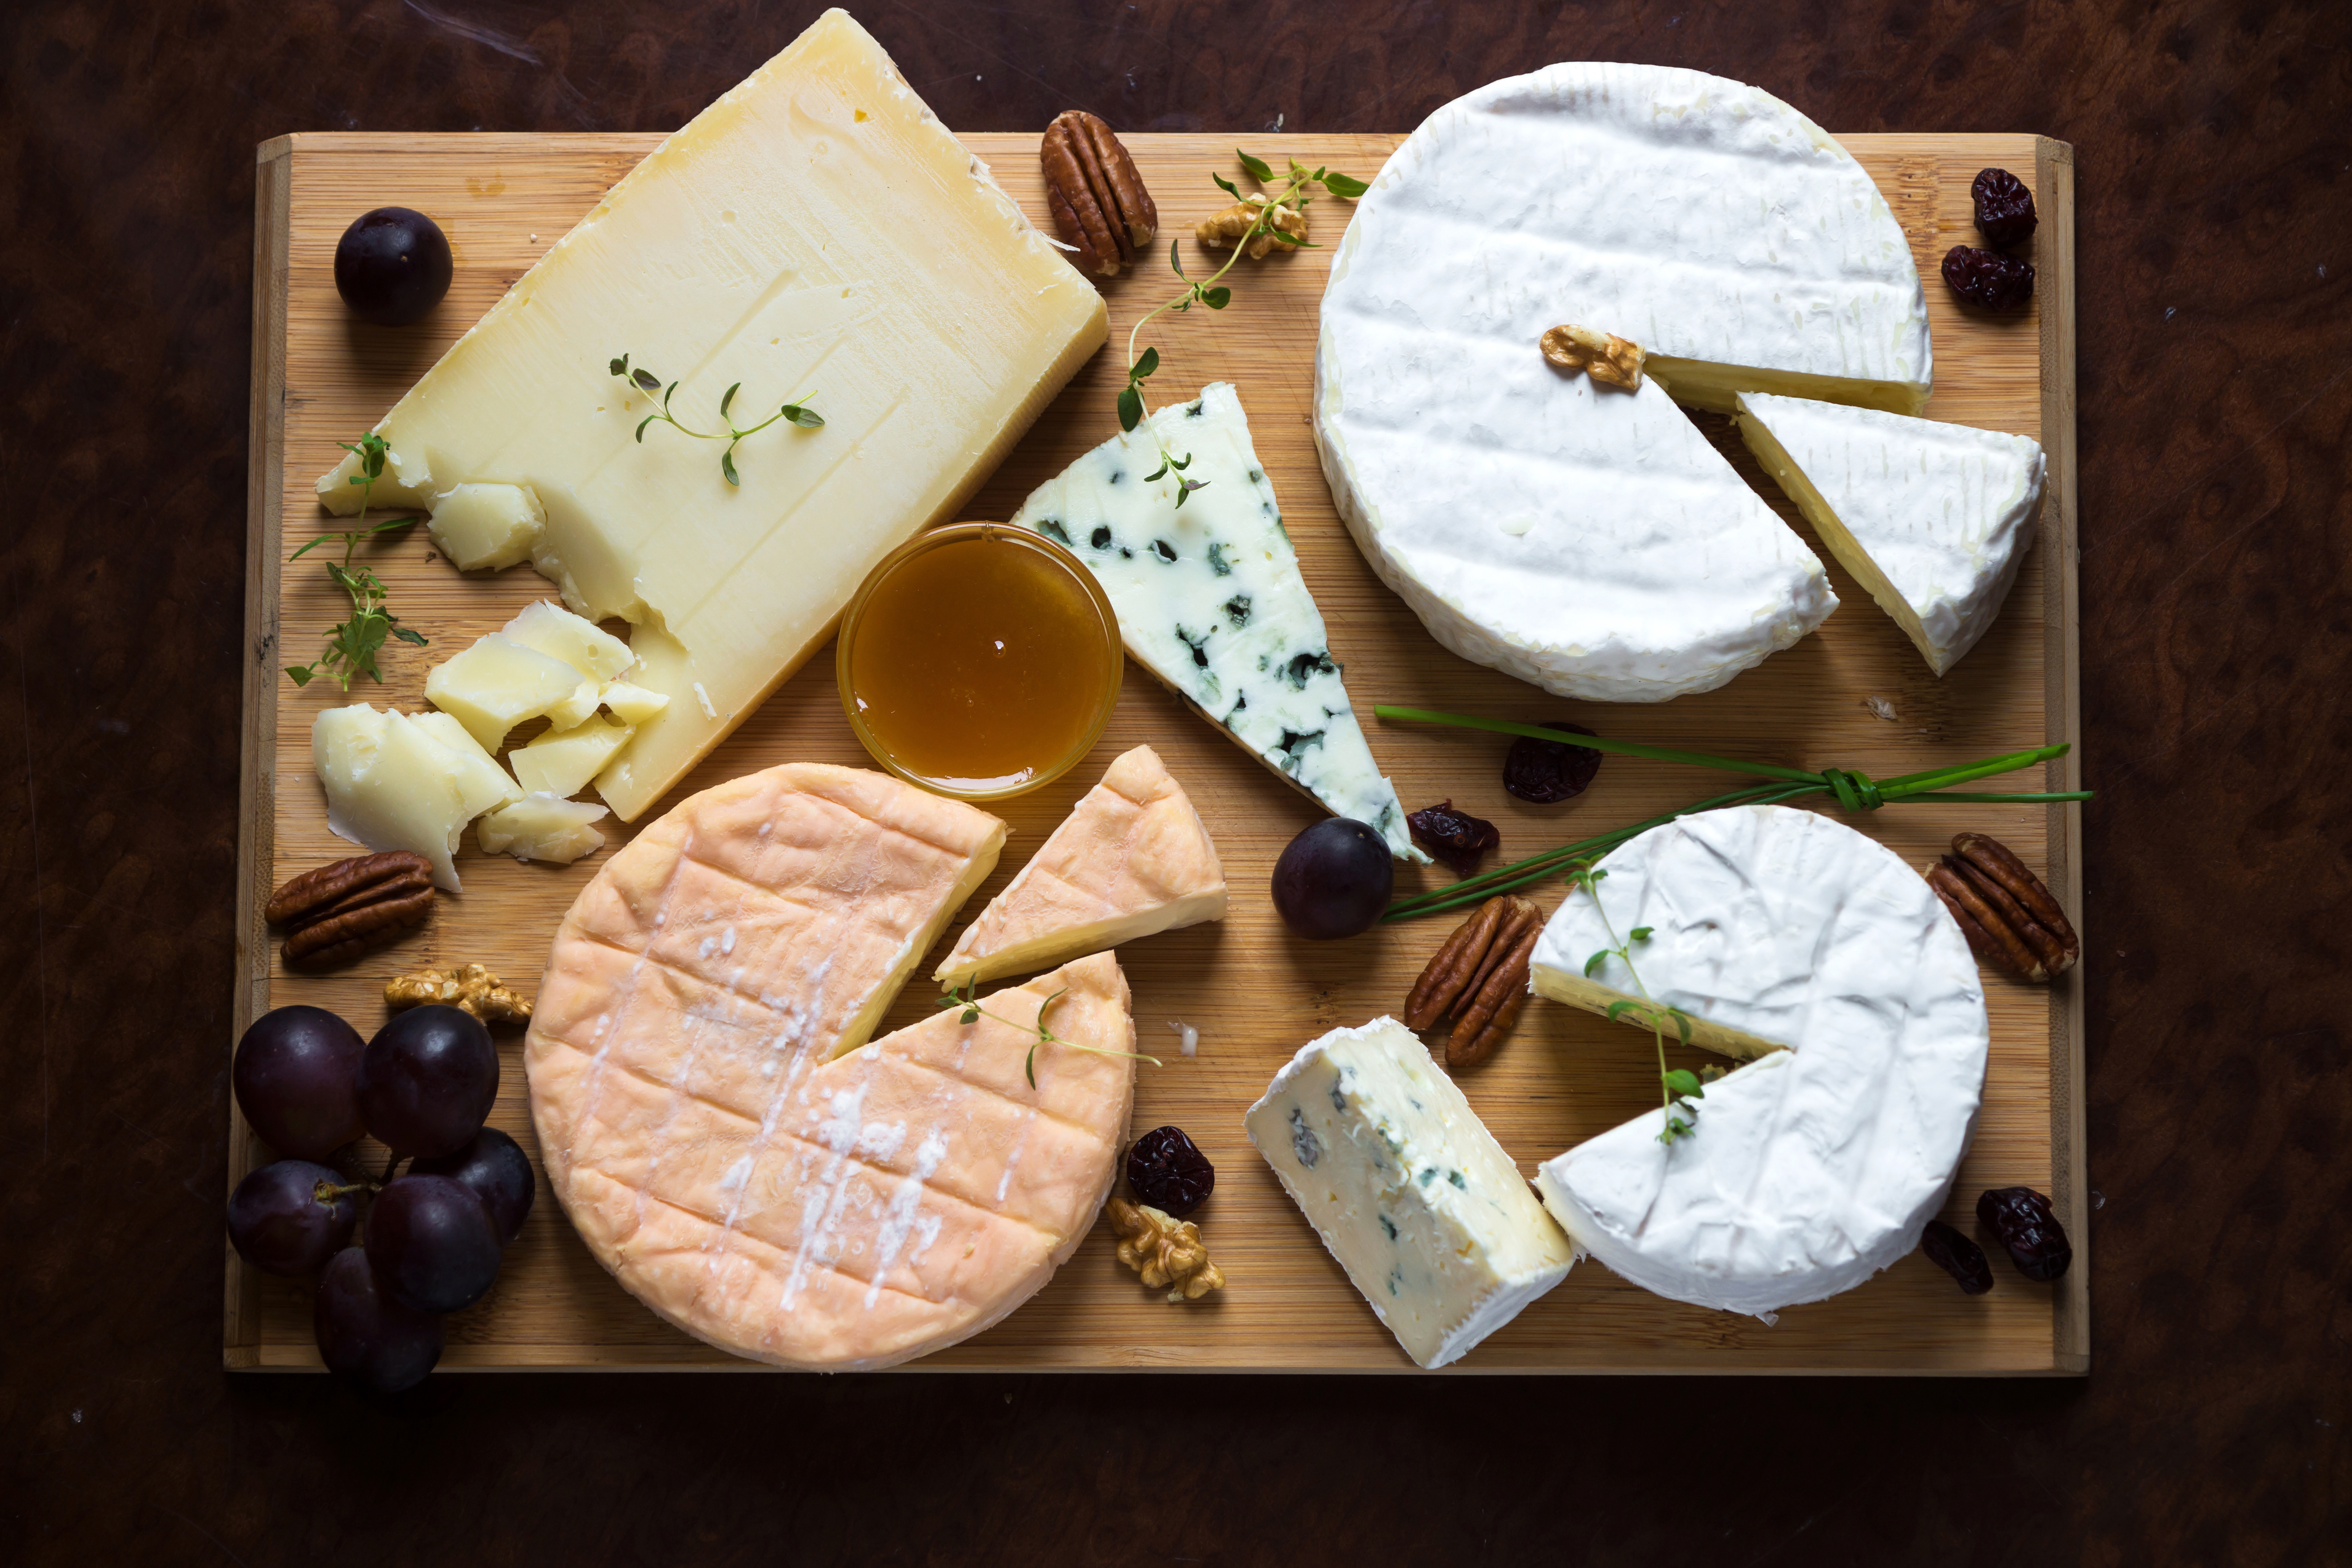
[
  {"x": 1097, "y": 198},
  {"x": 352, "y": 906},
  {"x": 2011, "y": 921},
  {"x": 1479, "y": 977}
]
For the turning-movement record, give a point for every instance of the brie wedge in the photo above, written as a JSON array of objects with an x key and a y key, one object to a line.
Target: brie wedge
[
  {"x": 1131, "y": 859},
  {"x": 1933, "y": 519},
  {"x": 1210, "y": 599},
  {"x": 1791, "y": 938}
]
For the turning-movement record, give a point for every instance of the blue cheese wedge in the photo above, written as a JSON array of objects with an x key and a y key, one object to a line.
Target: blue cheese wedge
[
  {"x": 1210, "y": 599},
  {"x": 1408, "y": 1189}
]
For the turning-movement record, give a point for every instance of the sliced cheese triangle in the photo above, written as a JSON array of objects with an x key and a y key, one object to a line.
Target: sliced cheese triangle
[
  {"x": 1932, "y": 519},
  {"x": 1131, "y": 859}
]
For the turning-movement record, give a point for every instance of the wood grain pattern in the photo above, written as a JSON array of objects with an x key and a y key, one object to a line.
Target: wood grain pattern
[{"x": 1254, "y": 992}]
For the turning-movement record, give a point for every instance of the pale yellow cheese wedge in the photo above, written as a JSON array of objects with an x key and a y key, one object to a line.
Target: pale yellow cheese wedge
[
  {"x": 1130, "y": 859},
  {"x": 727, "y": 1142}
]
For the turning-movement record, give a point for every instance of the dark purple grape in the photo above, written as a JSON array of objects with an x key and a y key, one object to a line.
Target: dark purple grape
[
  {"x": 1549, "y": 771},
  {"x": 1455, "y": 837},
  {"x": 1988, "y": 278},
  {"x": 427, "y": 1079},
  {"x": 366, "y": 1336},
  {"x": 392, "y": 265},
  {"x": 293, "y": 1080},
  {"x": 432, "y": 1243},
  {"x": 499, "y": 1173},
  {"x": 1956, "y": 1256},
  {"x": 2004, "y": 208},
  {"x": 1169, "y": 1172},
  {"x": 291, "y": 1215},
  {"x": 2025, "y": 1224},
  {"x": 1333, "y": 879}
]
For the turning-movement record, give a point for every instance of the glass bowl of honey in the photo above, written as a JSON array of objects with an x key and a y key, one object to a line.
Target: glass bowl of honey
[{"x": 979, "y": 660}]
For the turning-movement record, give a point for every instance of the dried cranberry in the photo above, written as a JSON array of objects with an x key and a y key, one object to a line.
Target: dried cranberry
[
  {"x": 1988, "y": 278},
  {"x": 2004, "y": 208},
  {"x": 1455, "y": 837},
  {"x": 1547, "y": 771},
  {"x": 1958, "y": 1256},
  {"x": 2025, "y": 1224},
  {"x": 1169, "y": 1172}
]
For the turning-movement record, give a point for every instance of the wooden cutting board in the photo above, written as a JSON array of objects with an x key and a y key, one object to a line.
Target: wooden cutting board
[{"x": 1254, "y": 992}]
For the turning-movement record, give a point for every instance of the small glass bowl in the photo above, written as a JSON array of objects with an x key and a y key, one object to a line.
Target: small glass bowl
[{"x": 1108, "y": 664}]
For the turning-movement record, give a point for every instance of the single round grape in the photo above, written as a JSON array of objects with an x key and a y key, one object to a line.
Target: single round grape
[
  {"x": 293, "y": 1077},
  {"x": 365, "y": 1335},
  {"x": 432, "y": 1243},
  {"x": 497, "y": 1171},
  {"x": 427, "y": 1079},
  {"x": 291, "y": 1215},
  {"x": 1333, "y": 879},
  {"x": 392, "y": 265}
]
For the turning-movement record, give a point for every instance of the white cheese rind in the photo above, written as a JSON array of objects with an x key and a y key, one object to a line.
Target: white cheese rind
[
  {"x": 1811, "y": 1168},
  {"x": 1407, "y": 1188},
  {"x": 1211, "y": 601},
  {"x": 1933, "y": 519}
]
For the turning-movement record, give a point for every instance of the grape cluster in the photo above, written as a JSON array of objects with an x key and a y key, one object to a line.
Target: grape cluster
[{"x": 432, "y": 1235}]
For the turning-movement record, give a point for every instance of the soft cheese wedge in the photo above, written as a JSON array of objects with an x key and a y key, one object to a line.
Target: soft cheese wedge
[
  {"x": 1407, "y": 1188},
  {"x": 1209, "y": 598},
  {"x": 815, "y": 235},
  {"x": 1933, "y": 519},
  {"x": 1131, "y": 859},
  {"x": 1813, "y": 1167},
  {"x": 731, "y": 1145}
]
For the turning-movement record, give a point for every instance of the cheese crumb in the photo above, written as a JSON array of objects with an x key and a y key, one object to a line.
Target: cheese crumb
[{"x": 1189, "y": 1036}]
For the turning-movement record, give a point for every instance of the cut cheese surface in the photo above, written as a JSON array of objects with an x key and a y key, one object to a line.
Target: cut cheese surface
[
  {"x": 815, "y": 234},
  {"x": 1132, "y": 859},
  {"x": 1815, "y": 1166},
  {"x": 1933, "y": 519},
  {"x": 729, "y": 1144}
]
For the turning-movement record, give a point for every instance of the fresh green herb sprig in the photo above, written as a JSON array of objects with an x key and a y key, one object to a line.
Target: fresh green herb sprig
[
  {"x": 1215, "y": 294},
  {"x": 646, "y": 381},
  {"x": 1852, "y": 790},
  {"x": 1677, "y": 1087},
  {"x": 353, "y": 642},
  {"x": 973, "y": 1013}
]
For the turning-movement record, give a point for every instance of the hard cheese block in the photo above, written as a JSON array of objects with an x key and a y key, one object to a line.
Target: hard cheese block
[
  {"x": 1132, "y": 859},
  {"x": 815, "y": 234},
  {"x": 1933, "y": 519},
  {"x": 1408, "y": 1189},
  {"x": 729, "y": 1144},
  {"x": 1811, "y": 1167},
  {"x": 1209, "y": 598}
]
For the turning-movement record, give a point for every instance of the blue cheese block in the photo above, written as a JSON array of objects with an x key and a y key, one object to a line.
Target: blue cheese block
[
  {"x": 1210, "y": 599},
  {"x": 1408, "y": 1189}
]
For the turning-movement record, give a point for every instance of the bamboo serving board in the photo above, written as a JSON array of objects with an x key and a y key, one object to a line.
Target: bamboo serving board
[{"x": 1254, "y": 992}]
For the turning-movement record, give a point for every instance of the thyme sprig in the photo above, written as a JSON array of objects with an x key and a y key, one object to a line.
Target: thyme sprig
[
  {"x": 353, "y": 642},
  {"x": 973, "y": 1013},
  {"x": 1852, "y": 790},
  {"x": 1677, "y": 1087},
  {"x": 646, "y": 381},
  {"x": 1215, "y": 294}
]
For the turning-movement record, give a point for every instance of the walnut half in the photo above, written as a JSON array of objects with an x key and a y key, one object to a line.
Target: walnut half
[
  {"x": 1610, "y": 360},
  {"x": 1166, "y": 1251},
  {"x": 1225, "y": 229},
  {"x": 472, "y": 988}
]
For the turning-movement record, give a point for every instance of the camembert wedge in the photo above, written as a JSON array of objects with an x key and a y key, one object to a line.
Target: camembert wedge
[{"x": 1131, "y": 859}]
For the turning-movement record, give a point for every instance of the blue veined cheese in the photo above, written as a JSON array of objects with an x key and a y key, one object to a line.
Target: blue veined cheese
[
  {"x": 1407, "y": 1188},
  {"x": 1210, "y": 599},
  {"x": 1813, "y": 1167}
]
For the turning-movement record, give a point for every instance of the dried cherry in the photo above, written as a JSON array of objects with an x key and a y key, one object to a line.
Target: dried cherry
[
  {"x": 1169, "y": 1172},
  {"x": 1988, "y": 278},
  {"x": 2004, "y": 208},
  {"x": 1455, "y": 837},
  {"x": 1549, "y": 771},
  {"x": 1956, "y": 1256},
  {"x": 2023, "y": 1221}
]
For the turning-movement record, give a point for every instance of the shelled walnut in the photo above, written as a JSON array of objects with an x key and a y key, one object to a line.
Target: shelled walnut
[
  {"x": 472, "y": 987},
  {"x": 1480, "y": 977},
  {"x": 2011, "y": 921},
  {"x": 1225, "y": 229},
  {"x": 1096, "y": 198},
  {"x": 1166, "y": 1251},
  {"x": 352, "y": 906},
  {"x": 1610, "y": 360}
]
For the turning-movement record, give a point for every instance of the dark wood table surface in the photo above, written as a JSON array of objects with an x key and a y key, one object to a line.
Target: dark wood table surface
[{"x": 2215, "y": 181}]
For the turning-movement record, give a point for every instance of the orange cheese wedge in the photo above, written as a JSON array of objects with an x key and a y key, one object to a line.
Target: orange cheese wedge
[
  {"x": 1130, "y": 859},
  {"x": 730, "y": 1145}
]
